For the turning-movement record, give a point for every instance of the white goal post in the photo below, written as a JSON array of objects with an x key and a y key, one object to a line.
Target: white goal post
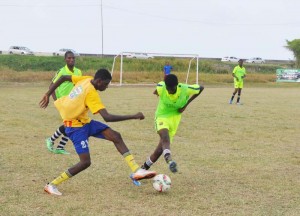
[{"x": 192, "y": 57}]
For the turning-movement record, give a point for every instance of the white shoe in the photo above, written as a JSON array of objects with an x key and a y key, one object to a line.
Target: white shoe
[
  {"x": 142, "y": 174},
  {"x": 52, "y": 189}
]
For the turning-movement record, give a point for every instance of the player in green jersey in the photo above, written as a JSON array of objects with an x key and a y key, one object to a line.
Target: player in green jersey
[
  {"x": 239, "y": 73},
  {"x": 63, "y": 90},
  {"x": 174, "y": 98}
]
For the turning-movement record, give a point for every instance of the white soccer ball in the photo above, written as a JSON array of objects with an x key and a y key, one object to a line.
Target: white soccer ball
[{"x": 162, "y": 183}]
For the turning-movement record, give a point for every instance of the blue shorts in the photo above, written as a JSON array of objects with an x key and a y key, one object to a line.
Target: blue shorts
[{"x": 80, "y": 135}]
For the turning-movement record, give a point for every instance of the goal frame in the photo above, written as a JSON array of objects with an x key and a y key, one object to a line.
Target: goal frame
[{"x": 190, "y": 56}]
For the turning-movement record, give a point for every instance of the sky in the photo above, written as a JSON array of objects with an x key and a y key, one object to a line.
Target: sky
[{"x": 211, "y": 28}]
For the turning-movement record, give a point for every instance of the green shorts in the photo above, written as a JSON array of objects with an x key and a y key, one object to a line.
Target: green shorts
[
  {"x": 171, "y": 123},
  {"x": 238, "y": 84}
]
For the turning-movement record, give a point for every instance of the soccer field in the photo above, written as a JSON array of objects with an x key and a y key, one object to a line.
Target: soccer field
[{"x": 233, "y": 160}]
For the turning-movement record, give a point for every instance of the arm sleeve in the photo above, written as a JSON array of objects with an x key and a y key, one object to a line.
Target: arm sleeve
[
  {"x": 193, "y": 89},
  {"x": 159, "y": 88},
  {"x": 93, "y": 102},
  {"x": 234, "y": 70},
  {"x": 57, "y": 76}
]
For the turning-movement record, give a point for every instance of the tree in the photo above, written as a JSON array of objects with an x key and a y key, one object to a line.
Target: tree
[{"x": 294, "y": 46}]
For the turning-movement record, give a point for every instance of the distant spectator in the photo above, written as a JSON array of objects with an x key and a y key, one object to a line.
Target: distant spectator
[{"x": 167, "y": 69}]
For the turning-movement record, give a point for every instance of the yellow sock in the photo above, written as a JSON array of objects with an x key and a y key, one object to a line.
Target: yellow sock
[
  {"x": 63, "y": 177},
  {"x": 131, "y": 162}
]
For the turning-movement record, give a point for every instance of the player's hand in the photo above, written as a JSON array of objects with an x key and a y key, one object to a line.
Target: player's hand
[
  {"x": 44, "y": 102},
  {"x": 181, "y": 109},
  {"x": 139, "y": 116}
]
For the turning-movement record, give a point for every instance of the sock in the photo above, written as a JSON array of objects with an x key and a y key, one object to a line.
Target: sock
[
  {"x": 62, "y": 142},
  {"x": 238, "y": 99},
  {"x": 147, "y": 164},
  {"x": 131, "y": 162},
  {"x": 232, "y": 97},
  {"x": 63, "y": 177},
  {"x": 57, "y": 134},
  {"x": 167, "y": 155}
]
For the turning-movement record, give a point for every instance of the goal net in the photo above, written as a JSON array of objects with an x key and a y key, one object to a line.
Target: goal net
[{"x": 135, "y": 68}]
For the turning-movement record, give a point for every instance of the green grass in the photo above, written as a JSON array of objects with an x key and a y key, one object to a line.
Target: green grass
[{"x": 233, "y": 160}]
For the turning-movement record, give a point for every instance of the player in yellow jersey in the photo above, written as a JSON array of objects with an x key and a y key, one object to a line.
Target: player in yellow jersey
[
  {"x": 174, "y": 98},
  {"x": 239, "y": 73},
  {"x": 79, "y": 127}
]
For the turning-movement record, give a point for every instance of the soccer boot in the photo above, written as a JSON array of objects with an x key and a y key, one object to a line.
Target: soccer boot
[
  {"x": 60, "y": 151},
  {"x": 173, "y": 166},
  {"x": 49, "y": 144},
  {"x": 230, "y": 101},
  {"x": 52, "y": 189},
  {"x": 135, "y": 182},
  {"x": 142, "y": 174}
]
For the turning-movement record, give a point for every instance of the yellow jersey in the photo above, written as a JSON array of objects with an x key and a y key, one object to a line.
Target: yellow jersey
[{"x": 74, "y": 107}]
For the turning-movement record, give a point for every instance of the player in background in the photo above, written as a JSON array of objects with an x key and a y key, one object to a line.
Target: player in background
[
  {"x": 174, "y": 98},
  {"x": 239, "y": 73},
  {"x": 63, "y": 90},
  {"x": 79, "y": 127},
  {"x": 167, "y": 69}
]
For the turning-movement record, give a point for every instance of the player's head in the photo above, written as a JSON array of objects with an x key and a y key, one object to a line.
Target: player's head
[
  {"x": 171, "y": 82},
  {"x": 102, "y": 79},
  {"x": 241, "y": 62},
  {"x": 70, "y": 58}
]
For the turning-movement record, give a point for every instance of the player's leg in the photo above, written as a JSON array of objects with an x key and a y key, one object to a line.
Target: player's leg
[
  {"x": 153, "y": 157},
  {"x": 79, "y": 137},
  {"x": 239, "y": 96},
  {"x": 60, "y": 149},
  {"x": 50, "y": 141},
  {"x": 100, "y": 130},
  {"x": 234, "y": 92}
]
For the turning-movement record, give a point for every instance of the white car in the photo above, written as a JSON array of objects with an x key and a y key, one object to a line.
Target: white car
[
  {"x": 20, "y": 50},
  {"x": 255, "y": 60},
  {"x": 62, "y": 52},
  {"x": 229, "y": 59},
  {"x": 139, "y": 56}
]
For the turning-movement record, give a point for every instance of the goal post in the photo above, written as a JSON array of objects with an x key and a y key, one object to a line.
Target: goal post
[{"x": 192, "y": 58}]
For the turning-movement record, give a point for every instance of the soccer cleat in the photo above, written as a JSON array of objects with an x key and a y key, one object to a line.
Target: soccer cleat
[
  {"x": 135, "y": 182},
  {"x": 142, "y": 174},
  {"x": 173, "y": 166},
  {"x": 49, "y": 144},
  {"x": 60, "y": 151},
  {"x": 52, "y": 189},
  {"x": 239, "y": 103},
  {"x": 230, "y": 102}
]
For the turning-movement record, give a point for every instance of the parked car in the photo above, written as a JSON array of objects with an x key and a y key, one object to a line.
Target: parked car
[
  {"x": 229, "y": 59},
  {"x": 139, "y": 56},
  {"x": 255, "y": 60},
  {"x": 62, "y": 52},
  {"x": 20, "y": 50}
]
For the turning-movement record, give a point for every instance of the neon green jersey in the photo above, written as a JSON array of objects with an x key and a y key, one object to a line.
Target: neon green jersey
[
  {"x": 169, "y": 104},
  {"x": 65, "y": 88},
  {"x": 239, "y": 71}
]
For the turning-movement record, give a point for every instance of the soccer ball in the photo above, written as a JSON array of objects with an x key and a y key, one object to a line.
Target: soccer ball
[{"x": 162, "y": 183}]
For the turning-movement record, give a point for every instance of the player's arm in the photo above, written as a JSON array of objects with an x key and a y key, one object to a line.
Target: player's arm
[
  {"x": 233, "y": 74},
  {"x": 191, "y": 99},
  {"x": 45, "y": 100},
  {"x": 53, "y": 94},
  {"x": 115, "y": 118}
]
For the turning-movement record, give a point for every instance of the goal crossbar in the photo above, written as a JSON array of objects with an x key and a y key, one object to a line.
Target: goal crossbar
[{"x": 191, "y": 56}]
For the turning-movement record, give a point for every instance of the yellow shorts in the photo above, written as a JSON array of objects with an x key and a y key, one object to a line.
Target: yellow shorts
[
  {"x": 171, "y": 123},
  {"x": 238, "y": 84}
]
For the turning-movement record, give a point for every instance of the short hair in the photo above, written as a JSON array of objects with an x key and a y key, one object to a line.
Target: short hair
[
  {"x": 241, "y": 60},
  {"x": 68, "y": 52},
  {"x": 103, "y": 74},
  {"x": 171, "y": 80}
]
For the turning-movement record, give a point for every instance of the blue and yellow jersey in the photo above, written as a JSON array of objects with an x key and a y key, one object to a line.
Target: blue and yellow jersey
[
  {"x": 169, "y": 104},
  {"x": 65, "y": 88},
  {"x": 74, "y": 107}
]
